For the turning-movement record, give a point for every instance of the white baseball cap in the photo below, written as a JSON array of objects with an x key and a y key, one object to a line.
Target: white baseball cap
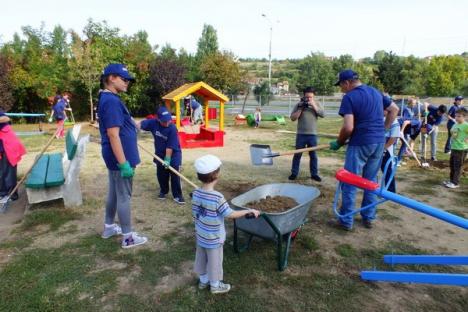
[{"x": 207, "y": 164}]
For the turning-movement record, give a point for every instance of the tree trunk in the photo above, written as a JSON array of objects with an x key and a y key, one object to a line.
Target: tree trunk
[
  {"x": 91, "y": 104},
  {"x": 245, "y": 99}
]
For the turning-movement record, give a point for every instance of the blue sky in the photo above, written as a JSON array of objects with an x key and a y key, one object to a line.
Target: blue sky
[{"x": 334, "y": 27}]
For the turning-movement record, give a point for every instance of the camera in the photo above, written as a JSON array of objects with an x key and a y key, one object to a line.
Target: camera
[{"x": 303, "y": 103}]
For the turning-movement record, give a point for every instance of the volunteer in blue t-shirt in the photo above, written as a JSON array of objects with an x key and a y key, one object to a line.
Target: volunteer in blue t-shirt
[
  {"x": 167, "y": 147},
  {"x": 58, "y": 112},
  {"x": 197, "y": 111},
  {"x": 434, "y": 116},
  {"x": 457, "y": 103},
  {"x": 410, "y": 125},
  {"x": 362, "y": 109},
  {"x": 120, "y": 153}
]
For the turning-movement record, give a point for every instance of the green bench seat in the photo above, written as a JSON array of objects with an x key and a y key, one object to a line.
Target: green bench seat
[{"x": 47, "y": 172}]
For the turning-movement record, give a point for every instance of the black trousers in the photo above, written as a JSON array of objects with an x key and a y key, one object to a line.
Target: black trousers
[
  {"x": 457, "y": 158},
  {"x": 164, "y": 175},
  {"x": 7, "y": 177}
]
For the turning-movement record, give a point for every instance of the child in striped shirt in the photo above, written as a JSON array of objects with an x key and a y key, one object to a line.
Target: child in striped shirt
[{"x": 209, "y": 208}]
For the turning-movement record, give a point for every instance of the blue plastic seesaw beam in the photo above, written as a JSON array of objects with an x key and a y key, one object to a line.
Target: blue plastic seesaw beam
[
  {"x": 426, "y": 259},
  {"x": 426, "y": 209},
  {"x": 413, "y": 277}
]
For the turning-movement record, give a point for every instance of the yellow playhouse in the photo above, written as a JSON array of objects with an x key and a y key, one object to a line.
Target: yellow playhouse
[{"x": 208, "y": 137}]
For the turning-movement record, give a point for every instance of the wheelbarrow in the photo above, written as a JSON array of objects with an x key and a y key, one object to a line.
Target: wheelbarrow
[{"x": 277, "y": 227}]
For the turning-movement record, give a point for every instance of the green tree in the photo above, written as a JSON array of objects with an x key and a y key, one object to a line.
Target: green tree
[
  {"x": 390, "y": 73},
  {"x": 87, "y": 64},
  {"x": 345, "y": 61},
  {"x": 413, "y": 75},
  {"x": 208, "y": 42},
  {"x": 6, "y": 94},
  {"x": 445, "y": 75},
  {"x": 262, "y": 93},
  {"x": 316, "y": 70},
  {"x": 222, "y": 71}
]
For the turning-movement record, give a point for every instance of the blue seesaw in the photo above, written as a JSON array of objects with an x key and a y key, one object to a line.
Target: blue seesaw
[{"x": 344, "y": 176}]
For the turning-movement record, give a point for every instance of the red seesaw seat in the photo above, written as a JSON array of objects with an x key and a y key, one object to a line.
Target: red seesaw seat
[{"x": 347, "y": 177}]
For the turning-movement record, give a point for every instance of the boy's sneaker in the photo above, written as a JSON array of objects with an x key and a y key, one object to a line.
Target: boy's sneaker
[
  {"x": 133, "y": 240},
  {"x": 446, "y": 182},
  {"x": 161, "y": 196},
  {"x": 433, "y": 159},
  {"x": 203, "y": 285},
  {"x": 292, "y": 177},
  {"x": 180, "y": 200},
  {"x": 221, "y": 289},
  {"x": 452, "y": 185},
  {"x": 110, "y": 231}
]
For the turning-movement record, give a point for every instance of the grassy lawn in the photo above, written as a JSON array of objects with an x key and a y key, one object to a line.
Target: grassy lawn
[{"x": 55, "y": 260}]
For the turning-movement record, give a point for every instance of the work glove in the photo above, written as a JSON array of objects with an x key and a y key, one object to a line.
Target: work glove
[
  {"x": 167, "y": 161},
  {"x": 126, "y": 171},
  {"x": 334, "y": 145},
  {"x": 50, "y": 119},
  {"x": 426, "y": 114}
]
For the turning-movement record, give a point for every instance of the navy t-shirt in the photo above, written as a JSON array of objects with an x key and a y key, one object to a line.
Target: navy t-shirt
[
  {"x": 112, "y": 112},
  {"x": 451, "y": 113},
  {"x": 433, "y": 118},
  {"x": 164, "y": 137},
  {"x": 194, "y": 104},
  {"x": 367, "y": 105},
  {"x": 59, "y": 108}
]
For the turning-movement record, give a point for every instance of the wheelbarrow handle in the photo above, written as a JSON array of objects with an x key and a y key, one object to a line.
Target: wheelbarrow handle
[{"x": 302, "y": 150}]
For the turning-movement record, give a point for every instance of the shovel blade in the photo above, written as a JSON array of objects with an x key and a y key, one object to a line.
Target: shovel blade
[{"x": 260, "y": 155}]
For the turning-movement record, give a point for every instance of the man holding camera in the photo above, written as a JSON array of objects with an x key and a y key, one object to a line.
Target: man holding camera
[{"x": 306, "y": 113}]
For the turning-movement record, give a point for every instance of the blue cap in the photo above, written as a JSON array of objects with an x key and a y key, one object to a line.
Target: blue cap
[
  {"x": 346, "y": 74},
  {"x": 164, "y": 115},
  {"x": 458, "y": 98},
  {"x": 119, "y": 70}
]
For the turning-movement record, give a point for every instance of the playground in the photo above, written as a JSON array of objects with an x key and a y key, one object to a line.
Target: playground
[{"x": 54, "y": 257}]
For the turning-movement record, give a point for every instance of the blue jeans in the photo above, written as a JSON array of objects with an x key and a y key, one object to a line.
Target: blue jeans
[
  {"x": 390, "y": 183},
  {"x": 364, "y": 161},
  {"x": 305, "y": 140},
  {"x": 448, "y": 144},
  {"x": 433, "y": 138}
]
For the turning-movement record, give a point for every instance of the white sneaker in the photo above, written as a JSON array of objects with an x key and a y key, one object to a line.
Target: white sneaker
[
  {"x": 451, "y": 185},
  {"x": 221, "y": 289},
  {"x": 445, "y": 182},
  {"x": 132, "y": 240},
  {"x": 110, "y": 231}
]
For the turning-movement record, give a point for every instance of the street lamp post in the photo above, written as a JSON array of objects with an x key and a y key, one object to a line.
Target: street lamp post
[{"x": 269, "y": 54}]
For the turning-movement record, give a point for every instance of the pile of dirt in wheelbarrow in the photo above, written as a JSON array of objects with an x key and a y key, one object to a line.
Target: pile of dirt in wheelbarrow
[{"x": 273, "y": 204}]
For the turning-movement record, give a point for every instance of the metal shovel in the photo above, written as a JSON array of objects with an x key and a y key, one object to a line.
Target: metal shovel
[{"x": 261, "y": 154}]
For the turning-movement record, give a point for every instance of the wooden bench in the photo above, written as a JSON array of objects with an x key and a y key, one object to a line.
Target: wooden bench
[{"x": 57, "y": 176}]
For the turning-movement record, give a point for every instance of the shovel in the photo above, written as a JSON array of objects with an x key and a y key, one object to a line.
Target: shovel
[
  {"x": 261, "y": 154},
  {"x": 411, "y": 151},
  {"x": 169, "y": 167}
]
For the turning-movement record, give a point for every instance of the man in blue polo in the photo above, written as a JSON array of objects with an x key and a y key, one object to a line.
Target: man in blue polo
[
  {"x": 167, "y": 147},
  {"x": 434, "y": 116},
  {"x": 197, "y": 111},
  {"x": 457, "y": 103},
  {"x": 362, "y": 109}
]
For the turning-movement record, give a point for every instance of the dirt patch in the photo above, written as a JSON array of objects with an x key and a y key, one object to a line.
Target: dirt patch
[
  {"x": 231, "y": 189},
  {"x": 273, "y": 203}
]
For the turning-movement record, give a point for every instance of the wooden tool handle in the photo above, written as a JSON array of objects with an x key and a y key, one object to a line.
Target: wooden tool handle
[
  {"x": 35, "y": 161},
  {"x": 169, "y": 167},
  {"x": 307, "y": 149}
]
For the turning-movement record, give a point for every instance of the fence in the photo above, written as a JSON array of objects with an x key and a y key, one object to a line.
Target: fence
[{"x": 281, "y": 105}]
